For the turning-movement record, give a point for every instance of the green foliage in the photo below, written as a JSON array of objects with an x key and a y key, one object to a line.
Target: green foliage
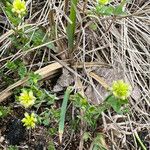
[
  {"x": 49, "y": 116},
  {"x": 22, "y": 70},
  {"x": 91, "y": 112},
  {"x": 119, "y": 10},
  {"x": 105, "y": 10},
  {"x": 25, "y": 38},
  {"x": 33, "y": 78},
  {"x": 4, "y": 2},
  {"x": 116, "y": 103},
  {"x": 51, "y": 145},
  {"x": 11, "y": 147},
  {"x": 37, "y": 37},
  {"x": 17, "y": 66},
  {"x": 11, "y": 65},
  {"x": 109, "y": 10},
  {"x": 43, "y": 96},
  {"x": 4, "y": 111}
]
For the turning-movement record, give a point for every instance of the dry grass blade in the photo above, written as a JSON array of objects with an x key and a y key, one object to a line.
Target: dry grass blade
[{"x": 99, "y": 80}]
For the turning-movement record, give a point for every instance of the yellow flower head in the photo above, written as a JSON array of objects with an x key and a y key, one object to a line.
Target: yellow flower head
[
  {"x": 27, "y": 98},
  {"x": 103, "y": 2},
  {"x": 29, "y": 120},
  {"x": 19, "y": 7},
  {"x": 120, "y": 89}
]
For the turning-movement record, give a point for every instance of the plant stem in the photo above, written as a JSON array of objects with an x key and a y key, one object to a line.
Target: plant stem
[{"x": 139, "y": 140}]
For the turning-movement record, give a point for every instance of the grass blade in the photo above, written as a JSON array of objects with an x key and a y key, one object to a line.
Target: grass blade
[
  {"x": 140, "y": 142},
  {"x": 63, "y": 113},
  {"x": 71, "y": 26}
]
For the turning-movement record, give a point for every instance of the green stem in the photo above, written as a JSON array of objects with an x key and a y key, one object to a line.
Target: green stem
[{"x": 140, "y": 142}]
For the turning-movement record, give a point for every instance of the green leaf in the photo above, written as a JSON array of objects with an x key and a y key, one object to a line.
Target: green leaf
[
  {"x": 109, "y": 10},
  {"x": 22, "y": 70},
  {"x": 46, "y": 122},
  {"x": 103, "y": 2},
  {"x": 17, "y": 66},
  {"x": 50, "y": 98},
  {"x": 39, "y": 37},
  {"x": 11, "y": 65},
  {"x": 33, "y": 78},
  {"x": 115, "y": 103},
  {"x": 63, "y": 112},
  {"x": 71, "y": 26},
  {"x": 51, "y": 145},
  {"x": 118, "y": 10},
  {"x": 39, "y": 120},
  {"x": 1, "y": 113},
  {"x": 92, "y": 109},
  {"x": 105, "y": 10},
  {"x": 12, "y": 147}
]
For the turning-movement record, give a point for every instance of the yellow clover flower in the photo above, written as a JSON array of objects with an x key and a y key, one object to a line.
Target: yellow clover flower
[
  {"x": 120, "y": 89},
  {"x": 19, "y": 7},
  {"x": 27, "y": 98},
  {"x": 103, "y": 2},
  {"x": 29, "y": 120}
]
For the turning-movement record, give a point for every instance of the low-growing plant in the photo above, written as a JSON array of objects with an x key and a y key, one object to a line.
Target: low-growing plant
[
  {"x": 119, "y": 92},
  {"x": 18, "y": 67},
  {"x": 49, "y": 116},
  {"x": 32, "y": 96},
  {"x": 4, "y": 111}
]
